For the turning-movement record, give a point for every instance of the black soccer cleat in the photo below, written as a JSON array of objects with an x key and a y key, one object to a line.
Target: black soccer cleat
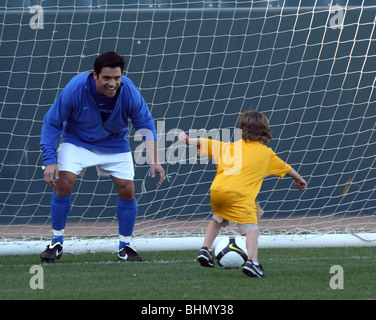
[
  {"x": 252, "y": 270},
  {"x": 53, "y": 251},
  {"x": 129, "y": 254},
  {"x": 205, "y": 258}
]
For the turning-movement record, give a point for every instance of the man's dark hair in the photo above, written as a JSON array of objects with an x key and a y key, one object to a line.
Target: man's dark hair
[{"x": 108, "y": 59}]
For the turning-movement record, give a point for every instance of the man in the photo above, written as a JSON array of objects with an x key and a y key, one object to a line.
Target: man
[{"x": 92, "y": 115}]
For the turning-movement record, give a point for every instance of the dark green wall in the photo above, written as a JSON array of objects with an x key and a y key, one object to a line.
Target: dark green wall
[{"x": 199, "y": 69}]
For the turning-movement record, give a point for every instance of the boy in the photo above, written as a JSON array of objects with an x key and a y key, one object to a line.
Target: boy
[{"x": 241, "y": 168}]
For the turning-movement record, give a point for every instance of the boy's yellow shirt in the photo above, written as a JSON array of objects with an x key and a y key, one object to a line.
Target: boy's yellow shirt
[{"x": 241, "y": 168}]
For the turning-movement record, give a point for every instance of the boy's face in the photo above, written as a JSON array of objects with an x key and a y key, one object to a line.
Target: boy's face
[{"x": 108, "y": 81}]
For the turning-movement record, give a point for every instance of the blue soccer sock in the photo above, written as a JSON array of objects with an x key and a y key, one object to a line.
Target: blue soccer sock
[
  {"x": 60, "y": 207},
  {"x": 126, "y": 214}
]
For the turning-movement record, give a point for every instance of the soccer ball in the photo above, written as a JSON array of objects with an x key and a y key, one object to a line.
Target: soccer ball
[{"x": 231, "y": 252}]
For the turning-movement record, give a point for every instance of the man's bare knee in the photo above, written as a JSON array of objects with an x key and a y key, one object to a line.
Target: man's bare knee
[
  {"x": 125, "y": 188},
  {"x": 65, "y": 183}
]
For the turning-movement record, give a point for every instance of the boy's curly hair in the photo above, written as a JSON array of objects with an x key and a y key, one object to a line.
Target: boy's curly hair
[{"x": 255, "y": 126}]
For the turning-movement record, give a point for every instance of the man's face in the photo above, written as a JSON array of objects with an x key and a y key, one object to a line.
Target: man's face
[{"x": 108, "y": 81}]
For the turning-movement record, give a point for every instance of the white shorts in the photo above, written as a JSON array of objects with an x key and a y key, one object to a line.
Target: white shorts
[
  {"x": 76, "y": 159},
  {"x": 244, "y": 227}
]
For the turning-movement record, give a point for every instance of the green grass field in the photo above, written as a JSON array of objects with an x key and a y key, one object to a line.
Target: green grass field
[{"x": 291, "y": 274}]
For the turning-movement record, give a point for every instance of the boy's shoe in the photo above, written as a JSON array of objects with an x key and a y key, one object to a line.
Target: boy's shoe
[
  {"x": 252, "y": 270},
  {"x": 129, "y": 254},
  {"x": 53, "y": 251},
  {"x": 205, "y": 258}
]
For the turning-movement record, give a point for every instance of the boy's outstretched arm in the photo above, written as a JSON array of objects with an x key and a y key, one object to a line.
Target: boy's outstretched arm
[
  {"x": 183, "y": 137},
  {"x": 299, "y": 181}
]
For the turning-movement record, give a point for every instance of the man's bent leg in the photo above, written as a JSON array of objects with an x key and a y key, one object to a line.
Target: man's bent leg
[
  {"x": 61, "y": 203},
  {"x": 126, "y": 214},
  {"x": 126, "y": 210},
  {"x": 60, "y": 207}
]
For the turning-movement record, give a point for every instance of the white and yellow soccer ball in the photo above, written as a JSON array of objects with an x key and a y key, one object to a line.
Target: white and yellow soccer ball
[{"x": 231, "y": 252}]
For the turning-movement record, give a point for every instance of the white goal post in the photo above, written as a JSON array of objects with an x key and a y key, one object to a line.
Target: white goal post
[{"x": 308, "y": 65}]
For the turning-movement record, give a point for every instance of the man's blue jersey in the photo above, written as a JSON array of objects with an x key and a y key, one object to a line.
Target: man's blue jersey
[{"x": 76, "y": 116}]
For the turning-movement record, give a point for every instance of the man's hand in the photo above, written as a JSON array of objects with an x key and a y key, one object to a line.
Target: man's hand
[
  {"x": 152, "y": 148},
  {"x": 159, "y": 169},
  {"x": 51, "y": 172}
]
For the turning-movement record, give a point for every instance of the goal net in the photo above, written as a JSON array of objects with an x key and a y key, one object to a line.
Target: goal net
[{"x": 309, "y": 66}]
